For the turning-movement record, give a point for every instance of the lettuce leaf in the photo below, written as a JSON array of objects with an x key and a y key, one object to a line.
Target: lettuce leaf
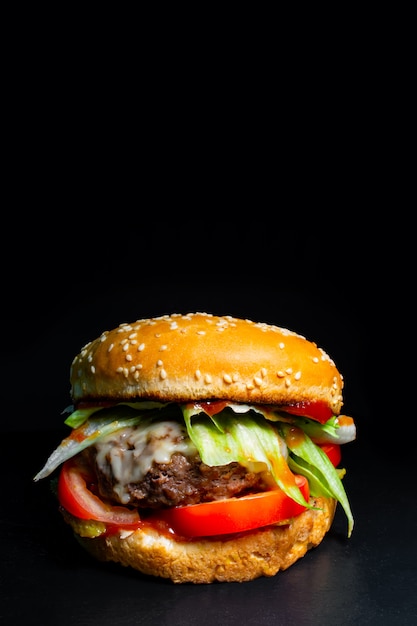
[
  {"x": 250, "y": 440},
  {"x": 310, "y": 460},
  {"x": 101, "y": 422},
  {"x": 80, "y": 416}
]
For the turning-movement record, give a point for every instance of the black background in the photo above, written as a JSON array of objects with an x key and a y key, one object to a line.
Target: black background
[
  {"x": 280, "y": 192},
  {"x": 65, "y": 283}
]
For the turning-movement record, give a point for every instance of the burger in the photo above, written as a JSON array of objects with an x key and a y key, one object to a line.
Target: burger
[{"x": 202, "y": 448}]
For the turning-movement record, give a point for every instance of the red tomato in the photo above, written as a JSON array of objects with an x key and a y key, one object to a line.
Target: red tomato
[
  {"x": 235, "y": 515},
  {"x": 76, "y": 497},
  {"x": 333, "y": 452}
]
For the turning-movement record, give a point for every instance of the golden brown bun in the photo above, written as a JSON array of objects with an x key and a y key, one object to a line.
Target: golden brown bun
[
  {"x": 248, "y": 556},
  {"x": 200, "y": 356}
]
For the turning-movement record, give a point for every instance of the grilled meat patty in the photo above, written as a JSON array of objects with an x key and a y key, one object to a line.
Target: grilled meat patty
[{"x": 184, "y": 480}]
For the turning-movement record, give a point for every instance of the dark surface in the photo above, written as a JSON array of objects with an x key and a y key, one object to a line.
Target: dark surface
[{"x": 46, "y": 578}]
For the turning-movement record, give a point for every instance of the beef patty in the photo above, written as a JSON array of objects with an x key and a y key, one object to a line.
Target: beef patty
[{"x": 182, "y": 481}]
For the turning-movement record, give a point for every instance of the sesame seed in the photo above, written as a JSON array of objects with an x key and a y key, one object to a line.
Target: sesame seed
[
  {"x": 288, "y": 370},
  {"x": 93, "y": 369},
  {"x": 235, "y": 378},
  {"x": 197, "y": 374},
  {"x": 258, "y": 381},
  {"x": 119, "y": 370},
  {"x": 132, "y": 336},
  {"x": 280, "y": 374},
  {"x": 159, "y": 363},
  {"x": 263, "y": 372},
  {"x": 281, "y": 345},
  {"x": 110, "y": 348},
  {"x": 315, "y": 360},
  {"x": 297, "y": 376},
  {"x": 123, "y": 342},
  {"x": 141, "y": 347},
  {"x": 125, "y": 347},
  {"x": 162, "y": 348},
  {"x": 287, "y": 382},
  {"x": 128, "y": 357},
  {"x": 136, "y": 375},
  {"x": 163, "y": 374},
  {"x": 201, "y": 332},
  {"x": 208, "y": 379},
  {"x": 227, "y": 378}
]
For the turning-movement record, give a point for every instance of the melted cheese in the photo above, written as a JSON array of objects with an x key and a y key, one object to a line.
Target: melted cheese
[{"x": 125, "y": 456}]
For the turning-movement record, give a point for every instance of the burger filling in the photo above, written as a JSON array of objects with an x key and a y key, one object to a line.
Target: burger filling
[
  {"x": 149, "y": 455},
  {"x": 159, "y": 466}
]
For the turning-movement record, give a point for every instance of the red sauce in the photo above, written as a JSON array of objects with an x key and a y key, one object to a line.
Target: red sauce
[
  {"x": 213, "y": 407},
  {"x": 158, "y": 525},
  {"x": 318, "y": 411},
  {"x": 295, "y": 437},
  {"x": 344, "y": 420},
  {"x": 153, "y": 522},
  {"x": 102, "y": 403},
  {"x": 77, "y": 434}
]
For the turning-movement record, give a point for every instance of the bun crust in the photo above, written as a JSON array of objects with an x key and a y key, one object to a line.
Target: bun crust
[
  {"x": 200, "y": 356},
  {"x": 260, "y": 553}
]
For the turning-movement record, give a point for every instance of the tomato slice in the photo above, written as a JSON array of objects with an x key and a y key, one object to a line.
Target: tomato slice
[
  {"x": 235, "y": 515},
  {"x": 333, "y": 451},
  {"x": 75, "y": 495}
]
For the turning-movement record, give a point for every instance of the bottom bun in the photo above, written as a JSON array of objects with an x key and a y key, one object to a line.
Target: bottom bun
[{"x": 239, "y": 559}]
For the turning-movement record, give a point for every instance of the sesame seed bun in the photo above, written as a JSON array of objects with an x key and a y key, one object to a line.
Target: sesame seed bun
[
  {"x": 263, "y": 552},
  {"x": 200, "y": 356}
]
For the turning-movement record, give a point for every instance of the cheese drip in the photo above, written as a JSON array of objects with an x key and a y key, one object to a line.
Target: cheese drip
[{"x": 125, "y": 456}]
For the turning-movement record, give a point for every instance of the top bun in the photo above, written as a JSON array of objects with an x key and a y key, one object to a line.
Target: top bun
[{"x": 200, "y": 356}]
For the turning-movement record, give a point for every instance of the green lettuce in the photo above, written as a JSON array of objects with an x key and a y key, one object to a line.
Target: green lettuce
[
  {"x": 309, "y": 460},
  {"x": 250, "y": 440},
  {"x": 98, "y": 424}
]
